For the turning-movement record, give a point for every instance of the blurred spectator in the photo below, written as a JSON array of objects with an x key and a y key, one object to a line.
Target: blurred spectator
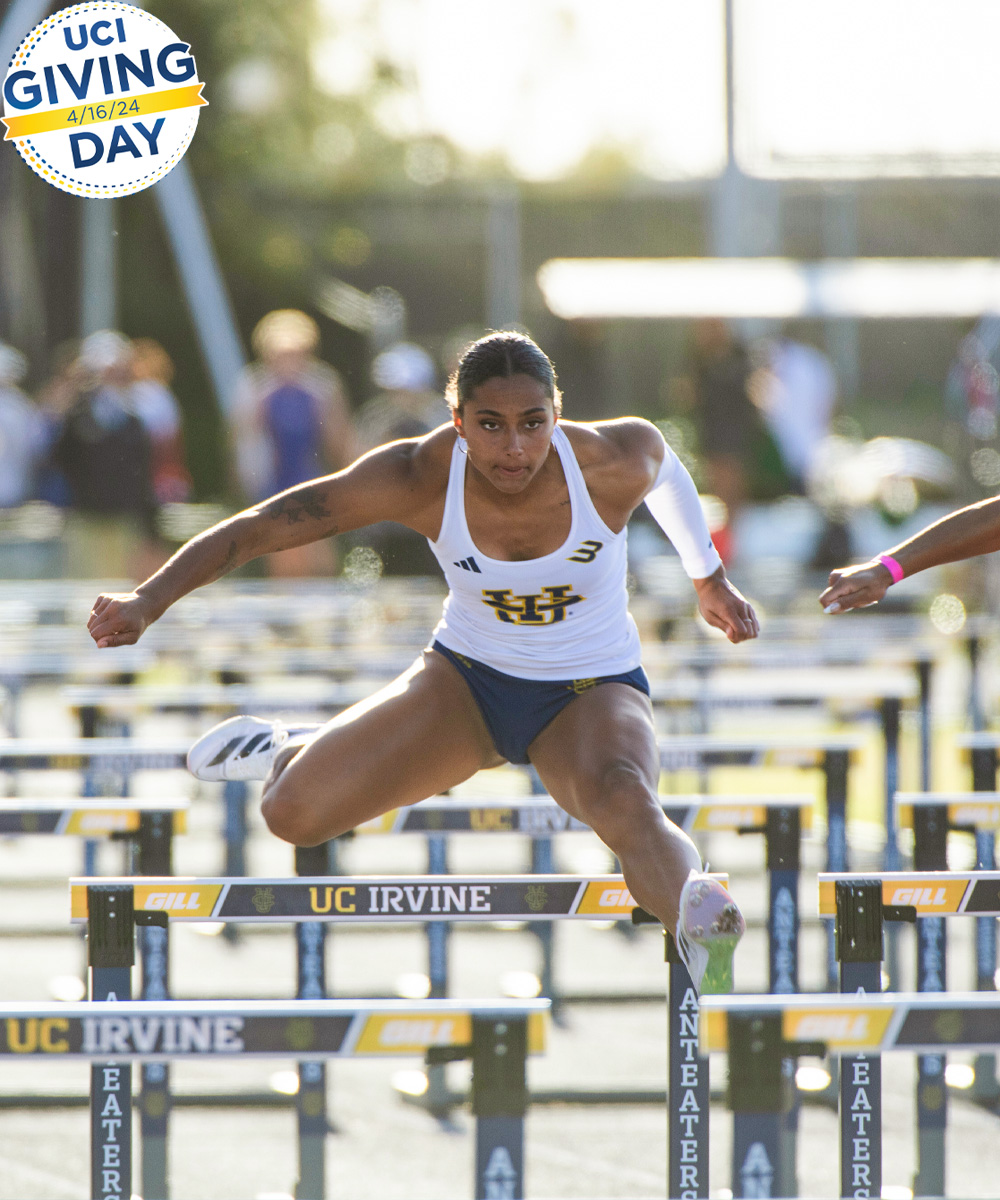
[
  {"x": 407, "y": 403},
  {"x": 22, "y": 432},
  {"x": 972, "y": 389},
  {"x": 795, "y": 390},
  {"x": 741, "y": 461},
  {"x": 105, "y": 455},
  {"x": 580, "y": 348},
  {"x": 157, "y": 408},
  {"x": 289, "y": 423},
  {"x": 55, "y": 397}
]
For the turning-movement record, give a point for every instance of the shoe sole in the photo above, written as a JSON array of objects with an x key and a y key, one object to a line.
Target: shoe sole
[
  {"x": 726, "y": 928},
  {"x": 718, "y": 977}
]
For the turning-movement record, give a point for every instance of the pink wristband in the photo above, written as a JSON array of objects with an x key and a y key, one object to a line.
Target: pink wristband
[{"x": 893, "y": 567}]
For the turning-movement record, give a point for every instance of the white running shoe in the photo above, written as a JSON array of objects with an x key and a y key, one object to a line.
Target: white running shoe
[
  {"x": 709, "y": 928},
  {"x": 241, "y": 748}
]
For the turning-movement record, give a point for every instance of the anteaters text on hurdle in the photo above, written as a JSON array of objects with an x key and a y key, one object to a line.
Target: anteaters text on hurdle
[
  {"x": 926, "y": 897},
  {"x": 858, "y": 1025}
]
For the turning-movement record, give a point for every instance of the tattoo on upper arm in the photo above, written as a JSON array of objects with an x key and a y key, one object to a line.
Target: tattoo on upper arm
[
  {"x": 227, "y": 563},
  {"x": 309, "y": 502}
]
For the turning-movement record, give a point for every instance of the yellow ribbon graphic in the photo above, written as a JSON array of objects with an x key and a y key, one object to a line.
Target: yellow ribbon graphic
[{"x": 118, "y": 108}]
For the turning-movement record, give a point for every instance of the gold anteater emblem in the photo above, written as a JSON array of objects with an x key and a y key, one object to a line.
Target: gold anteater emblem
[
  {"x": 299, "y": 1033},
  {"x": 544, "y": 608}
]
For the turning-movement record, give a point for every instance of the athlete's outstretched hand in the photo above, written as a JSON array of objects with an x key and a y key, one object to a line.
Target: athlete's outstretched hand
[
  {"x": 855, "y": 587},
  {"x": 119, "y": 619},
  {"x": 725, "y": 608}
]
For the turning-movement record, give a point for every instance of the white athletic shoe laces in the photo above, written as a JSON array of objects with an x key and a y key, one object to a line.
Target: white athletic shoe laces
[
  {"x": 241, "y": 748},
  {"x": 708, "y": 930}
]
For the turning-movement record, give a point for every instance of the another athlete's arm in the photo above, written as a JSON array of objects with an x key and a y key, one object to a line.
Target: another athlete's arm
[
  {"x": 962, "y": 534},
  {"x": 392, "y": 483}
]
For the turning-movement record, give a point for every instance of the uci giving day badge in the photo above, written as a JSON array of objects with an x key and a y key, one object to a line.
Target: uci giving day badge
[{"x": 102, "y": 99}]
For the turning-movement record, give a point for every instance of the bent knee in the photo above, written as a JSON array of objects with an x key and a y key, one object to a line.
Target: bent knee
[
  {"x": 290, "y": 817},
  {"x": 617, "y": 801}
]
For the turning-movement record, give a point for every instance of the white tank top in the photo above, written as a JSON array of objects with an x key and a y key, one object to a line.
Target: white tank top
[{"x": 563, "y": 616}]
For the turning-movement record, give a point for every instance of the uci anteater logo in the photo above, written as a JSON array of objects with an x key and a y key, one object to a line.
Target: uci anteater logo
[
  {"x": 544, "y": 609},
  {"x": 263, "y": 900},
  {"x": 102, "y": 99}
]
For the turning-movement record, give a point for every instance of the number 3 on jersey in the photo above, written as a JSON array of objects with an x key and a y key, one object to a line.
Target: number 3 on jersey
[{"x": 587, "y": 552}]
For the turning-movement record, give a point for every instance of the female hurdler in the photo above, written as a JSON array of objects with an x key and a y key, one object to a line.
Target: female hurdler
[{"x": 536, "y": 657}]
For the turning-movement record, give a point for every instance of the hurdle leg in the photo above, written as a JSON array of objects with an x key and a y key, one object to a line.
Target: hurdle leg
[
  {"x": 890, "y": 713},
  {"x": 986, "y": 1087},
  {"x": 499, "y": 1104},
  {"x": 757, "y": 1094},
  {"x": 154, "y": 855},
  {"x": 859, "y": 948},
  {"x": 234, "y": 800},
  {"x": 111, "y": 953},
  {"x": 835, "y": 764},
  {"x": 930, "y": 845},
  {"x": 88, "y": 716},
  {"x": 438, "y": 1099},
  {"x": 544, "y": 931},
  {"x": 311, "y": 1108},
  {"x": 783, "y": 836},
  {"x": 687, "y": 1093}
]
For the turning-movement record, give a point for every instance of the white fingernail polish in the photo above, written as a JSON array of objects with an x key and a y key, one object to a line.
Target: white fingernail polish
[{"x": 832, "y": 608}]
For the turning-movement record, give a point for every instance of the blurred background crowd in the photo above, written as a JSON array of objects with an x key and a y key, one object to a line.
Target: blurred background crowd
[{"x": 373, "y": 188}]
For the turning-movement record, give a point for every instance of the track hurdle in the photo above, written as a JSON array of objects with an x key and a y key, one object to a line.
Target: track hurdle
[
  {"x": 23, "y": 666},
  {"x": 756, "y": 1030},
  {"x": 926, "y": 897},
  {"x": 779, "y": 819},
  {"x": 883, "y": 689},
  {"x": 81, "y": 754},
  {"x": 106, "y": 707},
  {"x": 117, "y": 758},
  {"x": 496, "y": 1036},
  {"x": 932, "y": 815},
  {"x": 149, "y": 824},
  {"x": 419, "y": 898}
]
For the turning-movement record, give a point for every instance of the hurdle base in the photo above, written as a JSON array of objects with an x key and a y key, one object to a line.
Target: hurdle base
[
  {"x": 611, "y": 998},
  {"x": 182, "y": 1100},
  {"x": 455, "y": 1099},
  {"x": 828, "y": 1097},
  {"x": 985, "y": 1091},
  {"x": 440, "y": 1106}
]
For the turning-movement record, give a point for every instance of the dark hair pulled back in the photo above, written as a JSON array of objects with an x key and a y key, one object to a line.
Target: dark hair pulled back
[{"x": 501, "y": 356}]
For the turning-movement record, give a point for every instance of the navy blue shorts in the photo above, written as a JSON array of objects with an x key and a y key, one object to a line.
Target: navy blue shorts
[{"x": 517, "y": 710}]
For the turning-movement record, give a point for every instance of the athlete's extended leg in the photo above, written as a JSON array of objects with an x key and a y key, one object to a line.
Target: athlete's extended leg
[
  {"x": 420, "y": 735},
  {"x": 599, "y": 760}
]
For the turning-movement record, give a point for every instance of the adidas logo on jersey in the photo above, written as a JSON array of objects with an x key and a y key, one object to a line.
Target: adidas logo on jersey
[{"x": 469, "y": 564}]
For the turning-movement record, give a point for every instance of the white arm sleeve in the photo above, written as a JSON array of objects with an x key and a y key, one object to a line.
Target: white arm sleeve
[{"x": 677, "y": 510}]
